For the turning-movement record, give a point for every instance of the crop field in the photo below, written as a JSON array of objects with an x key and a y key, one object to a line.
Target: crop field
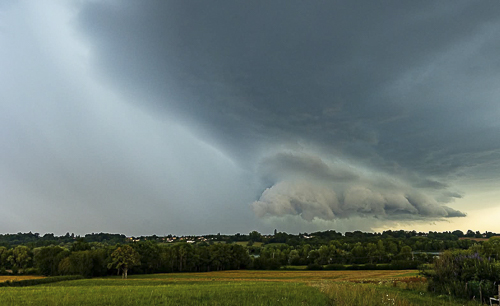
[
  {"x": 301, "y": 276},
  {"x": 236, "y": 288}
]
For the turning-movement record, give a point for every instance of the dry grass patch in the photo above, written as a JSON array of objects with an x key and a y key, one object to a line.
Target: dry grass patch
[
  {"x": 4, "y": 278},
  {"x": 285, "y": 276}
]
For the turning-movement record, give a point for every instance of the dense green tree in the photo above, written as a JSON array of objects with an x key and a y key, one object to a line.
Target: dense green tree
[
  {"x": 392, "y": 249},
  {"x": 21, "y": 257},
  {"x": 79, "y": 263},
  {"x": 47, "y": 259},
  {"x": 406, "y": 253},
  {"x": 313, "y": 256},
  {"x": 372, "y": 252},
  {"x": 294, "y": 258},
  {"x": 491, "y": 248},
  {"x": 359, "y": 253},
  {"x": 3, "y": 257},
  {"x": 88, "y": 263},
  {"x": 150, "y": 256},
  {"x": 124, "y": 258},
  {"x": 80, "y": 245},
  {"x": 240, "y": 258},
  {"x": 324, "y": 255},
  {"x": 380, "y": 250},
  {"x": 255, "y": 236}
]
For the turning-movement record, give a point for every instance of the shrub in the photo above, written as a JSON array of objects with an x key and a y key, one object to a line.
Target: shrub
[
  {"x": 369, "y": 267},
  {"x": 404, "y": 264},
  {"x": 29, "y": 271},
  {"x": 335, "y": 267},
  {"x": 314, "y": 266},
  {"x": 464, "y": 274}
]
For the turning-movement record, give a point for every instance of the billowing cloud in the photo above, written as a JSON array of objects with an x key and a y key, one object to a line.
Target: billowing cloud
[
  {"x": 306, "y": 185},
  {"x": 289, "y": 165},
  {"x": 320, "y": 201},
  {"x": 296, "y": 198}
]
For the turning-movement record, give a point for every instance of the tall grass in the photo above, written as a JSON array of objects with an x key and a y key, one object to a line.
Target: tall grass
[
  {"x": 386, "y": 293},
  {"x": 357, "y": 294}
]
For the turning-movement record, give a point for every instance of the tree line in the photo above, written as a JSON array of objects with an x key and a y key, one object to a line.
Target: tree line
[
  {"x": 37, "y": 240},
  {"x": 91, "y": 259},
  {"x": 92, "y": 255}
]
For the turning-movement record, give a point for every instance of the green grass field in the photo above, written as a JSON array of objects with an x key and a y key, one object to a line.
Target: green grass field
[
  {"x": 138, "y": 292},
  {"x": 245, "y": 243},
  {"x": 236, "y": 288}
]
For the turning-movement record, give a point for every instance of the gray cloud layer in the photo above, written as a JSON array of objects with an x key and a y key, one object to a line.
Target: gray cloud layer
[
  {"x": 312, "y": 201},
  {"x": 343, "y": 191},
  {"x": 318, "y": 109}
]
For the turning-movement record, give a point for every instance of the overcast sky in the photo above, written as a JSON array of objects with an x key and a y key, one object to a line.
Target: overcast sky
[{"x": 195, "y": 117}]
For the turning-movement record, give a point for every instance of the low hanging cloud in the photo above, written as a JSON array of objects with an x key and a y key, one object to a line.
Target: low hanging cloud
[
  {"x": 286, "y": 198},
  {"x": 287, "y": 164},
  {"x": 311, "y": 188},
  {"x": 314, "y": 201}
]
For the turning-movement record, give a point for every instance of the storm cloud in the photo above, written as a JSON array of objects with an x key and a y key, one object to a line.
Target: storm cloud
[
  {"x": 313, "y": 201},
  {"x": 200, "y": 116},
  {"x": 308, "y": 187}
]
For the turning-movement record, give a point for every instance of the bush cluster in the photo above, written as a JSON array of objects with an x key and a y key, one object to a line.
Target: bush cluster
[{"x": 465, "y": 274}]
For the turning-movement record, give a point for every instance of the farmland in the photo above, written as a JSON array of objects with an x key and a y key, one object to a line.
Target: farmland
[
  {"x": 283, "y": 276},
  {"x": 236, "y": 288}
]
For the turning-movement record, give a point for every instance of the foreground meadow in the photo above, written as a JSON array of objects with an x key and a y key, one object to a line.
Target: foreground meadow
[{"x": 236, "y": 288}]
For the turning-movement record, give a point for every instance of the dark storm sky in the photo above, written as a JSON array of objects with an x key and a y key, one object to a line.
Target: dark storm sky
[{"x": 183, "y": 117}]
